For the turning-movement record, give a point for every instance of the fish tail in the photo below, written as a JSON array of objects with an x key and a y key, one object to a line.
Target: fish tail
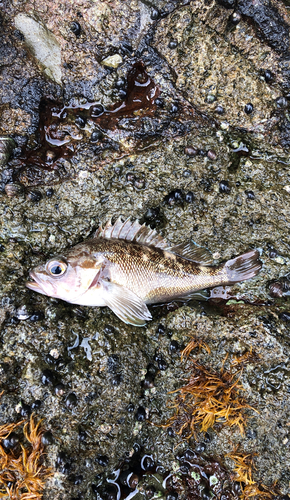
[{"x": 243, "y": 267}]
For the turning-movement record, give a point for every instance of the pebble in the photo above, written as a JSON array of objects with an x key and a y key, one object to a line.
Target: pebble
[
  {"x": 219, "y": 110},
  {"x": 250, "y": 195},
  {"x": 159, "y": 102},
  {"x": 102, "y": 460},
  {"x": 281, "y": 102},
  {"x": 210, "y": 98},
  {"x": 112, "y": 61},
  {"x": 22, "y": 313},
  {"x": 173, "y": 44},
  {"x": 276, "y": 289},
  {"x": 75, "y": 27},
  {"x": 11, "y": 441},
  {"x": 191, "y": 151},
  {"x": 49, "y": 192},
  {"x": 47, "y": 438},
  {"x": 71, "y": 400},
  {"x": 211, "y": 154},
  {"x": 154, "y": 14},
  {"x": 97, "y": 110},
  {"x": 268, "y": 75},
  {"x": 140, "y": 414},
  {"x": 189, "y": 197},
  {"x": 96, "y": 135},
  {"x": 224, "y": 187},
  {"x": 80, "y": 121},
  {"x": 174, "y": 108},
  {"x": 36, "y": 404},
  {"x": 48, "y": 377},
  {"x": 59, "y": 389},
  {"x": 120, "y": 83},
  {"x": 248, "y": 108},
  {"x": 13, "y": 189},
  {"x": 235, "y": 18}
]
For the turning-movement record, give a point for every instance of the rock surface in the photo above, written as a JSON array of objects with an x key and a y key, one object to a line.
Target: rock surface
[{"x": 89, "y": 146}]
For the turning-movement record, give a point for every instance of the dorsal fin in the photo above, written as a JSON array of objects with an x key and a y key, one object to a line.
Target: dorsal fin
[
  {"x": 131, "y": 231},
  {"x": 191, "y": 251}
]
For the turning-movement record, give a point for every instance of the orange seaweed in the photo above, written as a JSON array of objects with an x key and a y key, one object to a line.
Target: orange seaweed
[
  {"x": 243, "y": 473},
  {"x": 192, "y": 345},
  {"x": 22, "y": 471},
  {"x": 209, "y": 398},
  {"x": 248, "y": 357}
]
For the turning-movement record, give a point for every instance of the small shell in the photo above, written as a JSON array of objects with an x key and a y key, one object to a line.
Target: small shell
[
  {"x": 6, "y": 147},
  {"x": 22, "y": 313},
  {"x": 112, "y": 61},
  {"x": 276, "y": 289},
  {"x": 13, "y": 189}
]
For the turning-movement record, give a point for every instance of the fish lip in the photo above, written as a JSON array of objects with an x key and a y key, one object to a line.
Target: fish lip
[{"x": 34, "y": 285}]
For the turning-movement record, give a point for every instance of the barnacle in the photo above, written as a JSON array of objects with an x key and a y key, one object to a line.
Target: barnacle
[{"x": 22, "y": 471}]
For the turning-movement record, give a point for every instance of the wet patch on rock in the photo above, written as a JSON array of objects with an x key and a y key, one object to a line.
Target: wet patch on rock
[{"x": 269, "y": 22}]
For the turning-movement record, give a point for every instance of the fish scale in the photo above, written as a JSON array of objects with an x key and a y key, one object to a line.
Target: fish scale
[{"x": 159, "y": 278}]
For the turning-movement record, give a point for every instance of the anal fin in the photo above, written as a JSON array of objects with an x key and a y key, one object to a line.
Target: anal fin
[
  {"x": 198, "y": 295},
  {"x": 125, "y": 304}
]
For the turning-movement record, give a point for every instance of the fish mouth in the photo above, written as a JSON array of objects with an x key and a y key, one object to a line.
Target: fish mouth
[{"x": 34, "y": 285}]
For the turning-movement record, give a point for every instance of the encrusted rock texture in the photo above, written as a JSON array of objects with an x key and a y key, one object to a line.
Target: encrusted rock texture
[{"x": 175, "y": 113}]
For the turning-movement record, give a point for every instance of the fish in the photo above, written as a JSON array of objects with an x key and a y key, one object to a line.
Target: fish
[{"x": 127, "y": 266}]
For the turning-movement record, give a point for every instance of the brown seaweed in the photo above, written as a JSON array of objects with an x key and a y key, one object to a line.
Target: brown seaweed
[{"x": 22, "y": 470}]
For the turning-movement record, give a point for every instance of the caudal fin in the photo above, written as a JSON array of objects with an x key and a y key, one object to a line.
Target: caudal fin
[{"x": 243, "y": 267}]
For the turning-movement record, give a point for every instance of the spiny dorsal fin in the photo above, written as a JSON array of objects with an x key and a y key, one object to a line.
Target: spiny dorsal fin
[
  {"x": 131, "y": 231},
  {"x": 191, "y": 251}
]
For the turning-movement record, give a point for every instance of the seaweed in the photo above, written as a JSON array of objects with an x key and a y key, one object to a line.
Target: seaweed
[
  {"x": 22, "y": 469},
  {"x": 209, "y": 397},
  {"x": 243, "y": 473},
  {"x": 248, "y": 357},
  {"x": 192, "y": 345}
]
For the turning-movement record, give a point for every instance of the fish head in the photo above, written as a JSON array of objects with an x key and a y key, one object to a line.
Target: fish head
[{"x": 66, "y": 277}]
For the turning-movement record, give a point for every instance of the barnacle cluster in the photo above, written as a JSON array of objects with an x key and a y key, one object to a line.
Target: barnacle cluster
[
  {"x": 22, "y": 471},
  {"x": 209, "y": 397}
]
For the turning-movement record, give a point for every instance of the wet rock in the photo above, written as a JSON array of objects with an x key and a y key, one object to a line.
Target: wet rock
[
  {"x": 268, "y": 21},
  {"x": 145, "y": 132},
  {"x": 202, "y": 87}
]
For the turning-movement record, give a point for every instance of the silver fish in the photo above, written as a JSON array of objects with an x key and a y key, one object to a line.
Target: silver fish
[{"x": 127, "y": 266}]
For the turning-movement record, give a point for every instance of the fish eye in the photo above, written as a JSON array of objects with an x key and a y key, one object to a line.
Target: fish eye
[{"x": 56, "y": 267}]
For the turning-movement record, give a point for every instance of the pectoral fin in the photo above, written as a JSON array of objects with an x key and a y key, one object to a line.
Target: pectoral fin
[{"x": 125, "y": 304}]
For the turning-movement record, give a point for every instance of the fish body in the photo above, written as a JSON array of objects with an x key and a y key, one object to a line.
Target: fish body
[{"x": 127, "y": 266}]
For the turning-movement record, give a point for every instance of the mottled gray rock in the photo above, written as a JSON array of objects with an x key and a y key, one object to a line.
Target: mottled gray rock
[{"x": 233, "y": 172}]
